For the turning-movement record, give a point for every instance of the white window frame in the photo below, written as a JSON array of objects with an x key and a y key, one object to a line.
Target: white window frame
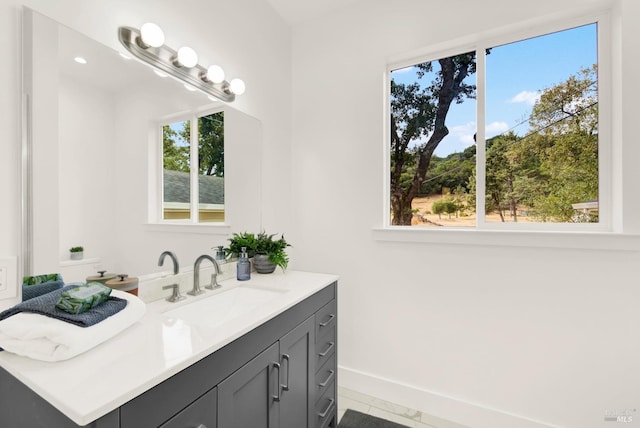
[
  {"x": 604, "y": 234},
  {"x": 156, "y": 221}
]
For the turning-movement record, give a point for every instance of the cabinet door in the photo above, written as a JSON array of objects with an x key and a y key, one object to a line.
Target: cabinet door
[
  {"x": 200, "y": 414},
  {"x": 249, "y": 398},
  {"x": 297, "y": 376}
]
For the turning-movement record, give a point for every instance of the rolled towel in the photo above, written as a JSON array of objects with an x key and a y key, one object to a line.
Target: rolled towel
[
  {"x": 82, "y": 298},
  {"x": 46, "y": 305}
]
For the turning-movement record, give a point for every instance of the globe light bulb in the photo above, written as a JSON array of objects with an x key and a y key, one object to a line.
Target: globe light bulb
[
  {"x": 237, "y": 86},
  {"x": 152, "y": 35},
  {"x": 215, "y": 74},
  {"x": 187, "y": 57}
]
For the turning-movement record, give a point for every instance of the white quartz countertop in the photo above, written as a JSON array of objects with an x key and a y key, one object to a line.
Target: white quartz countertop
[{"x": 92, "y": 384}]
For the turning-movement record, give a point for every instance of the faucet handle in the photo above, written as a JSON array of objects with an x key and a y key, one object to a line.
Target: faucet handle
[
  {"x": 214, "y": 282},
  {"x": 175, "y": 296}
]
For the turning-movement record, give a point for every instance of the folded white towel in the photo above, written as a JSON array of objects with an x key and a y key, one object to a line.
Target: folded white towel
[{"x": 49, "y": 339}]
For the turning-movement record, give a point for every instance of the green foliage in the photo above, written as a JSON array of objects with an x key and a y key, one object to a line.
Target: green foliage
[
  {"x": 418, "y": 115},
  {"x": 446, "y": 205},
  {"x": 175, "y": 157},
  {"x": 260, "y": 244},
  {"x": 240, "y": 240},
  {"x": 555, "y": 165},
  {"x": 176, "y": 150},
  {"x": 76, "y": 249},
  {"x": 211, "y": 145}
]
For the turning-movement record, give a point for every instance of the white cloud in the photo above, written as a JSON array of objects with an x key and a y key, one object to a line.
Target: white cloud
[
  {"x": 526, "y": 97},
  {"x": 494, "y": 128}
]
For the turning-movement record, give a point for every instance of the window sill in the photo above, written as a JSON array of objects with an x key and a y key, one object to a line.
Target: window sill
[
  {"x": 535, "y": 239},
  {"x": 207, "y": 229}
]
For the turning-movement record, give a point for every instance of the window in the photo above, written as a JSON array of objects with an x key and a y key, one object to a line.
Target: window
[
  {"x": 501, "y": 136},
  {"x": 193, "y": 169}
]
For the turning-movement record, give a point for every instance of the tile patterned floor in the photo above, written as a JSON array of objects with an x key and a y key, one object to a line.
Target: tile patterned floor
[{"x": 349, "y": 399}]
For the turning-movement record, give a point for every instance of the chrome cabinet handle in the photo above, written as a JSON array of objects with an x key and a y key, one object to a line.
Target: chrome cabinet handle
[
  {"x": 285, "y": 386},
  {"x": 326, "y": 412},
  {"x": 323, "y": 384},
  {"x": 201, "y": 426},
  {"x": 277, "y": 396},
  {"x": 331, "y": 345},
  {"x": 326, "y": 323}
]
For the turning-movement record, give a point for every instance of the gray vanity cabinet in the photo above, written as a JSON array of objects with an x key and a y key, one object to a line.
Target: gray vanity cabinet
[
  {"x": 282, "y": 374},
  {"x": 248, "y": 398},
  {"x": 297, "y": 365},
  {"x": 275, "y": 389}
]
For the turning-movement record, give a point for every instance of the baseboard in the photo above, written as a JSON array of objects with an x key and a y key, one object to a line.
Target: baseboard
[{"x": 456, "y": 410}]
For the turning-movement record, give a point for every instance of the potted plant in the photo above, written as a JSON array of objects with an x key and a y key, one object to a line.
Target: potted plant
[
  {"x": 76, "y": 253},
  {"x": 267, "y": 252}
]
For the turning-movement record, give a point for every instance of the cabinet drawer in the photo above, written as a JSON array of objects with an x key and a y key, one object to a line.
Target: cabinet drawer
[
  {"x": 326, "y": 319},
  {"x": 201, "y": 413},
  {"x": 326, "y": 407},
  {"x": 325, "y": 377},
  {"x": 326, "y": 347}
]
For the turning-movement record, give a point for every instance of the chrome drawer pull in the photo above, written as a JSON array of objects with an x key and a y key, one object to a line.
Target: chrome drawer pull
[
  {"x": 277, "y": 396},
  {"x": 323, "y": 384},
  {"x": 285, "y": 386},
  {"x": 324, "y": 324},
  {"x": 329, "y": 407},
  {"x": 331, "y": 345},
  {"x": 202, "y": 426}
]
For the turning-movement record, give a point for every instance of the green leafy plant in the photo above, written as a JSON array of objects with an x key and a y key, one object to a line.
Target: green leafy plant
[
  {"x": 239, "y": 240},
  {"x": 260, "y": 244},
  {"x": 76, "y": 249}
]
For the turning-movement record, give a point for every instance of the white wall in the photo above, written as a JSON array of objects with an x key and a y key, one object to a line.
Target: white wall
[
  {"x": 244, "y": 36},
  {"x": 86, "y": 161},
  {"x": 489, "y": 336}
]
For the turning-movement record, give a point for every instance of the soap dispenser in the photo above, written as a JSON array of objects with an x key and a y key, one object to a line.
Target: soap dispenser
[
  {"x": 220, "y": 256},
  {"x": 244, "y": 266}
]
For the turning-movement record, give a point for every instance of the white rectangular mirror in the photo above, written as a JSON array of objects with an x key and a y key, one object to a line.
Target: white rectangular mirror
[{"x": 94, "y": 159}]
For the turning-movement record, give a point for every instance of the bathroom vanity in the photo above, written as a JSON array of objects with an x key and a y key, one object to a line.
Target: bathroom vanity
[{"x": 236, "y": 360}]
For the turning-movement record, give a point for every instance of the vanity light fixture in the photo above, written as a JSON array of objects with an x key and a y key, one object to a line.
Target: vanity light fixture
[{"x": 148, "y": 46}]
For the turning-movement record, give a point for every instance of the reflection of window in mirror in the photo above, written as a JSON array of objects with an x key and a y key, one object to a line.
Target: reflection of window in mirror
[{"x": 193, "y": 172}]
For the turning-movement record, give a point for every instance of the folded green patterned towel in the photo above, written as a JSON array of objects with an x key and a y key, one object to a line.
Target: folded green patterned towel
[{"x": 83, "y": 297}]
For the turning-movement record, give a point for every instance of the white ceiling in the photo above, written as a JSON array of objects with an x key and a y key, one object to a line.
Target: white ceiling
[{"x": 297, "y": 11}]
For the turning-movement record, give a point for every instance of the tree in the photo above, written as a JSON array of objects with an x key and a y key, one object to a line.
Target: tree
[
  {"x": 176, "y": 151},
  {"x": 566, "y": 146},
  {"x": 421, "y": 112},
  {"x": 175, "y": 156},
  {"x": 211, "y": 145}
]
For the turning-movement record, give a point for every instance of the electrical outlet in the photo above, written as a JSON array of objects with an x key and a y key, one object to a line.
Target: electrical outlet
[{"x": 8, "y": 274}]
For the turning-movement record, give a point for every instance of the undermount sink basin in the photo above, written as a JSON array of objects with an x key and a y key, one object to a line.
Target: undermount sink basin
[{"x": 219, "y": 308}]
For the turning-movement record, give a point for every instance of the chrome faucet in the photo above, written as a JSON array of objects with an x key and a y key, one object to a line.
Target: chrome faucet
[
  {"x": 174, "y": 259},
  {"x": 175, "y": 295},
  {"x": 196, "y": 275}
]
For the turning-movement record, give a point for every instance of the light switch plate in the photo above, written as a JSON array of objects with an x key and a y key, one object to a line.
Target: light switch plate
[{"x": 8, "y": 277}]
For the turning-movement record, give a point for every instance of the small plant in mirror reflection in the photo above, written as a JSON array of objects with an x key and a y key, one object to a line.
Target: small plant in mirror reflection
[{"x": 76, "y": 249}]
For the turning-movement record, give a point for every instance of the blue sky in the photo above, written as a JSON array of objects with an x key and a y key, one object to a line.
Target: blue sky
[{"x": 516, "y": 74}]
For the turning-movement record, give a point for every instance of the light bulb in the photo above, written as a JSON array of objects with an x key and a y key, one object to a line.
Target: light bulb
[
  {"x": 237, "y": 86},
  {"x": 187, "y": 57},
  {"x": 80, "y": 60},
  {"x": 215, "y": 74},
  {"x": 152, "y": 35}
]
